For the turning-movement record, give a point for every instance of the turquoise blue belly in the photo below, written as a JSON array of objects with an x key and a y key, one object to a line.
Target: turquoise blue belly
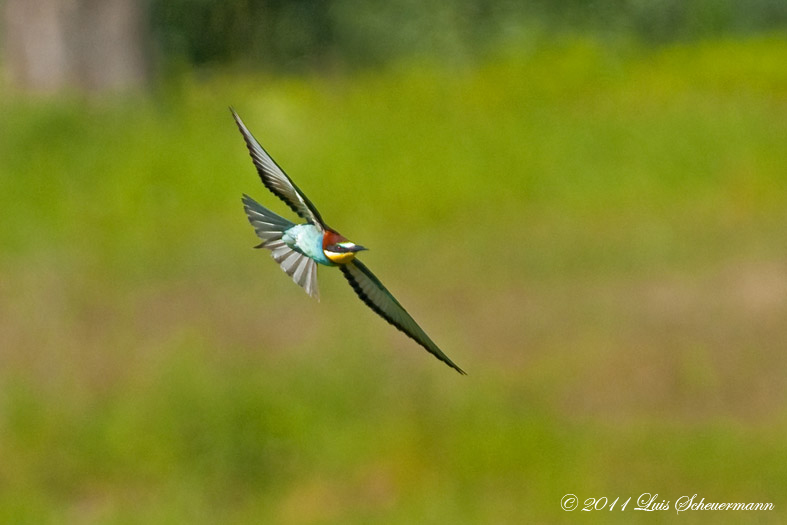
[{"x": 307, "y": 239}]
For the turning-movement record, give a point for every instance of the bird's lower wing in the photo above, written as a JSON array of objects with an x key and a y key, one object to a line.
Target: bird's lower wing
[{"x": 378, "y": 298}]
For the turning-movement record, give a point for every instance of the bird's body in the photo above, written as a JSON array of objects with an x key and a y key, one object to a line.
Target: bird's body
[
  {"x": 298, "y": 248},
  {"x": 307, "y": 239}
]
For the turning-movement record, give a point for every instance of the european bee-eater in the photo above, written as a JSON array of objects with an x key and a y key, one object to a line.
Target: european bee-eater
[{"x": 298, "y": 248}]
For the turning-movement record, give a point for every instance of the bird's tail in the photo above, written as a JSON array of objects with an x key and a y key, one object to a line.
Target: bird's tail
[{"x": 268, "y": 225}]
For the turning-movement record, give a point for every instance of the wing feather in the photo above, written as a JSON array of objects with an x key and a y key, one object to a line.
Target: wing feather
[
  {"x": 301, "y": 268},
  {"x": 378, "y": 298},
  {"x": 274, "y": 178}
]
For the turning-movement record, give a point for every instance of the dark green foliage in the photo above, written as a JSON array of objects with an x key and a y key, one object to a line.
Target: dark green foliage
[{"x": 306, "y": 34}]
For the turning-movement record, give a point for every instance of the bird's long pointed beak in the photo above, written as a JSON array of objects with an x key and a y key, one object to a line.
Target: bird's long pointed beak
[{"x": 359, "y": 248}]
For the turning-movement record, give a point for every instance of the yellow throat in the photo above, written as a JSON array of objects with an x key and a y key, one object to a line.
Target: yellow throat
[{"x": 340, "y": 258}]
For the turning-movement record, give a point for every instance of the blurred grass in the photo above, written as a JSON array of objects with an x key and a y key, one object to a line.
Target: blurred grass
[{"x": 600, "y": 236}]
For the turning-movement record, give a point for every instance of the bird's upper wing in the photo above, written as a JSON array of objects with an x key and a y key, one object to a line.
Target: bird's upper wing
[
  {"x": 274, "y": 178},
  {"x": 378, "y": 298}
]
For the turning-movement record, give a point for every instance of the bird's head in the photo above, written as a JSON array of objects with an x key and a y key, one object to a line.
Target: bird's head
[{"x": 338, "y": 249}]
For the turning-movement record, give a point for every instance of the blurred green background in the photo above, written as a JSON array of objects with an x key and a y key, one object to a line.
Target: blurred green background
[{"x": 585, "y": 206}]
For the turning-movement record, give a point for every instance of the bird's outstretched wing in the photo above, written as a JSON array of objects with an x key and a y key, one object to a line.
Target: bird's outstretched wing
[
  {"x": 378, "y": 298},
  {"x": 274, "y": 178}
]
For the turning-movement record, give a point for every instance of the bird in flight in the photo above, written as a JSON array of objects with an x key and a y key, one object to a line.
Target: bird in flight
[{"x": 298, "y": 248}]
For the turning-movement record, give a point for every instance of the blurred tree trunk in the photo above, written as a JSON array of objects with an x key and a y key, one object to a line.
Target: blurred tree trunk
[{"x": 90, "y": 45}]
